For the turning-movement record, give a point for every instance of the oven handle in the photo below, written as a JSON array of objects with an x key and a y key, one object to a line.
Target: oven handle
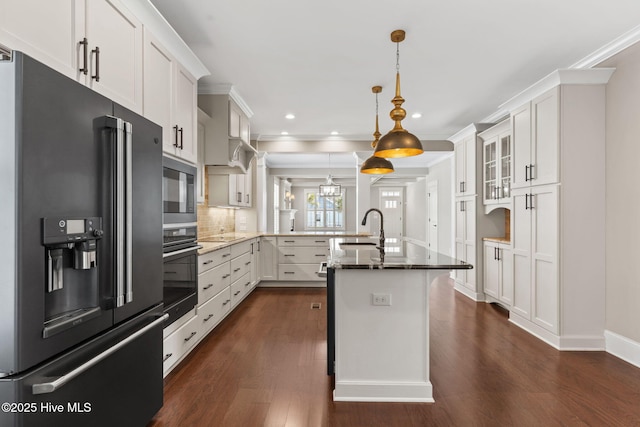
[
  {"x": 182, "y": 251},
  {"x": 52, "y": 386}
]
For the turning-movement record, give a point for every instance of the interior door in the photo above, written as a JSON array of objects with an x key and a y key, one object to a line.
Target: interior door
[
  {"x": 432, "y": 212},
  {"x": 392, "y": 207}
]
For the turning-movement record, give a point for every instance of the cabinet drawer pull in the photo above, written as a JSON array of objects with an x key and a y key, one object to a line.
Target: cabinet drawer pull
[
  {"x": 236, "y": 293},
  {"x": 96, "y": 77},
  {"x": 181, "y": 138},
  {"x": 247, "y": 284},
  {"x": 320, "y": 241},
  {"x": 236, "y": 270},
  {"x": 226, "y": 302},
  {"x": 289, "y": 272},
  {"x": 190, "y": 336},
  {"x": 247, "y": 263},
  {"x": 322, "y": 255},
  {"x": 226, "y": 275},
  {"x": 208, "y": 317},
  {"x": 226, "y": 255},
  {"x": 175, "y": 143},
  {"x": 289, "y": 255},
  {"x": 166, "y": 357},
  {"x": 207, "y": 287},
  {"x": 85, "y": 48},
  {"x": 207, "y": 262},
  {"x": 289, "y": 241}
]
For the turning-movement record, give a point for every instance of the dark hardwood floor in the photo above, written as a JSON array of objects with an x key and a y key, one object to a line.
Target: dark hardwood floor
[{"x": 265, "y": 364}]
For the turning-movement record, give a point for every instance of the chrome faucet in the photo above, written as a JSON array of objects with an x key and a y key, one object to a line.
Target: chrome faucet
[{"x": 364, "y": 222}]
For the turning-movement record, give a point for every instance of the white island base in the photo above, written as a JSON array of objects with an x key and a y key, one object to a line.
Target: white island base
[{"x": 382, "y": 351}]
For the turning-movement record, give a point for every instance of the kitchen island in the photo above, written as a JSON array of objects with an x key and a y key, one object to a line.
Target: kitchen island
[{"x": 378, "y": 319}]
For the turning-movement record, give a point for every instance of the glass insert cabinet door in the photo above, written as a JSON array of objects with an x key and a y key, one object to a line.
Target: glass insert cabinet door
[
  {"x": 497, "y": 164},
  {"x": 490, "y": 170},
  {"x": 505, "y": 166}
]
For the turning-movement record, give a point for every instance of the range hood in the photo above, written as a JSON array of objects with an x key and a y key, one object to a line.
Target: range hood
[{"x": 223, "y": 128}]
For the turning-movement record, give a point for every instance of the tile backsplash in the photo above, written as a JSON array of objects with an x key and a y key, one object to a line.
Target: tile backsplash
[{"x": 215, "y": 221}]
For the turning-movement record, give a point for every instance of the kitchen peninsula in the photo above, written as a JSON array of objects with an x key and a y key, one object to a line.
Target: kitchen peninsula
[{"x": 378, "y": 319}]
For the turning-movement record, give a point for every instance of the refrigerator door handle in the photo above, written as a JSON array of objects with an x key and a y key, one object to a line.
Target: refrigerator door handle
[
  {"x": 128, "y": 134},
  {"x": 123, "y": 211},
  {"x": 50, "y": 387}
]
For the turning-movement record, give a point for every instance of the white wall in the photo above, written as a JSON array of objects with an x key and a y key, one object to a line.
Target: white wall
[
  {"x": 622, "y": 201},
  {"x": 416, "y": 210}
]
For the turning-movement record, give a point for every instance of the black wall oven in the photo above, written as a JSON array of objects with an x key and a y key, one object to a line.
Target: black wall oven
[
  {"x": 178, "y": 192},
  {"x": 180, "y": 283}
]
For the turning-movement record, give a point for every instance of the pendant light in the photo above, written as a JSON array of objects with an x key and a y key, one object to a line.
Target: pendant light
[
  {"x": 398, "y": 142},
  {"x": 330, "y": 188},
  {"x": 376, "y": 165}
]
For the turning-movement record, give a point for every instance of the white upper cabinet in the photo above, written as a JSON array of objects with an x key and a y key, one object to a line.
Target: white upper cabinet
[
  {"x": 536, "y": 134},
  {"x": 114, "y": 39},
  {"x": 47, "y": 30},
  {"x": 170, "y": 100},
  {"x": 465, "y": 154},
  {"x": 158, "y": 88},
  {"x": 185, "y": 109},
  {"x": 497, "y": 164},
  {"x": 110, "y": 61}
]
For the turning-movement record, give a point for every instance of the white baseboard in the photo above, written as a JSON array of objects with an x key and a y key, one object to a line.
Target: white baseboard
[
  {"x": 290, "y": 284},
  {"x": 562, "y": 342},
  {"x": 476, "y": 296},
  {"x": 373, "y": 391},
  {"x": 623, "y": 347}
]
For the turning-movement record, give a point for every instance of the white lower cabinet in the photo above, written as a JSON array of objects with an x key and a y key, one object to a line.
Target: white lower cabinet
[
  {"x": 177, "y": 345},
  {"x": 498, "y": 272},
  {"x": 535, "y": 255},
  {"x": 268, "y": 258},
  {"x": 224, "y": 280},
  {"x": 214, "y": 310}
]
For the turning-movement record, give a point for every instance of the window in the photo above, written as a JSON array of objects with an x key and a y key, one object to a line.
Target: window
[{"x": 323, "y": 212}]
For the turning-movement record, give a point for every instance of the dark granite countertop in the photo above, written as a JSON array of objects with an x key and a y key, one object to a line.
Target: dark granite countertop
[{"x": 363, "y": 253}]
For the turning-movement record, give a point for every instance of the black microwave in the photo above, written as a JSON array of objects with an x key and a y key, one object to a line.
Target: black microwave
[{"x": 178, "y": 192}]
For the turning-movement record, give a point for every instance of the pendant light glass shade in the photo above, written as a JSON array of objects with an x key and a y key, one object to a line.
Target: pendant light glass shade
[
  {"x": 398, "y": 142},
  {"x": 330, "y": 188},
  {"x": 376, "y": 165}
]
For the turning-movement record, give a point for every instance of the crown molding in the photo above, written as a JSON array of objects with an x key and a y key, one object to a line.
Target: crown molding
[
  {"x": 607, "y": 51},
  {"x": 469, "y": 130},
  {"x": 152, "y": 19},
  {"x": 225, "y": 89},
  {"x": 587, "y": 76}
]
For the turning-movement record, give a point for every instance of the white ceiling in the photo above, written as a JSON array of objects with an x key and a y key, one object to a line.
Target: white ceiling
[{"x": 318, "y": 60}]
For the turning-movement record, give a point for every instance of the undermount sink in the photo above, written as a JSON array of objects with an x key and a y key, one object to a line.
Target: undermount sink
[{"x": 367, "y": 246}]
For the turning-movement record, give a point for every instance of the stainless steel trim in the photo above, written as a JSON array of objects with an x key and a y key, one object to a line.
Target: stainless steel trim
[
  {"x": 181, "y": 225},
  {"x": 120, "y": 213},
  {"x": 50, "y": 387},
  {"x": 128, "y": 132},
  {"x": 181, "y": 251}
]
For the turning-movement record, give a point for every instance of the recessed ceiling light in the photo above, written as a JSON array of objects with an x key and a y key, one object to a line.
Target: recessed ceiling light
[
  {"x": 335, "y": 132},
  {"x": 416, "y": 115},
  {"x": 284, "y": 132},
  {"x": 290, "y": 116}
]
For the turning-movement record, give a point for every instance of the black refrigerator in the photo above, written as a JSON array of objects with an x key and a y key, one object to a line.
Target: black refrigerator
[{"x": 81, "y": 264}]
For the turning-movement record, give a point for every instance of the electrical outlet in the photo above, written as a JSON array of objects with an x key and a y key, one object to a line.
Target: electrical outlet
[{"x": 381, "y": 299}]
